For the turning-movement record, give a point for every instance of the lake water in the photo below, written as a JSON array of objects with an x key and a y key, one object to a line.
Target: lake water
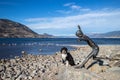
[{"x": 10, "y": 47}]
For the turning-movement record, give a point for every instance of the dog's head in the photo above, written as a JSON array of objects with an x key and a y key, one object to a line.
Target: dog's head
[{"x": 64, "y": 50}]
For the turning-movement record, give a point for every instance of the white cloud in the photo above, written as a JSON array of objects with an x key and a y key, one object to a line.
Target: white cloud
[
  {"x": 64, "y": 11},
  {"x": 96, "y": 21},
  {"x": 75, "y": 7},
  {"x": 85, "y": 9},
  {"x": 72, "y": 8},
  {"x": 69, "y": 4},
  {"x": 36, "y": 19}
]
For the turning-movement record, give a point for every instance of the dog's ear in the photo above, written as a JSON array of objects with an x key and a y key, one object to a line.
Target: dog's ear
[{"x": 64, "y": 48}]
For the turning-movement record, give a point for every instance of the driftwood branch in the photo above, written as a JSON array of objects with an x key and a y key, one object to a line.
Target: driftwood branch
[{"x": 111, "y": 59}]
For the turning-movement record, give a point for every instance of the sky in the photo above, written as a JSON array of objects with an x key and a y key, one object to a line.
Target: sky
[{"x": 61, "y": 17}]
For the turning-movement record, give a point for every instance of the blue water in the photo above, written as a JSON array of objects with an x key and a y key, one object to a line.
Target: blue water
[{"x": 10, "y": 47}]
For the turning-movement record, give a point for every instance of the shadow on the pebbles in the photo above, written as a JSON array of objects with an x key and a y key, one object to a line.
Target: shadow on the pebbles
[{"x": 100, "y": 62}]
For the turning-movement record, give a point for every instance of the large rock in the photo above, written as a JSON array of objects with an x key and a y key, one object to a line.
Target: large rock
[{"x": 70, "y": 73}]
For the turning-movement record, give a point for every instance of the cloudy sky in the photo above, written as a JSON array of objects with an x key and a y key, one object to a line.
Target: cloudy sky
[{"x": 61, "y": 17}]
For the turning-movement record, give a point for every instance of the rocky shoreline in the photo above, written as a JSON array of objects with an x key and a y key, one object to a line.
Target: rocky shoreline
[{"x": 50, "y": 67}]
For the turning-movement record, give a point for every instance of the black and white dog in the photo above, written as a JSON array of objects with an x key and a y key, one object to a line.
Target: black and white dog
[{"x": 67, "y": 58}]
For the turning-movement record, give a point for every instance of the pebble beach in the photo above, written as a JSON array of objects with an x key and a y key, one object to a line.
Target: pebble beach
[{"x": 50, "y": 67}]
